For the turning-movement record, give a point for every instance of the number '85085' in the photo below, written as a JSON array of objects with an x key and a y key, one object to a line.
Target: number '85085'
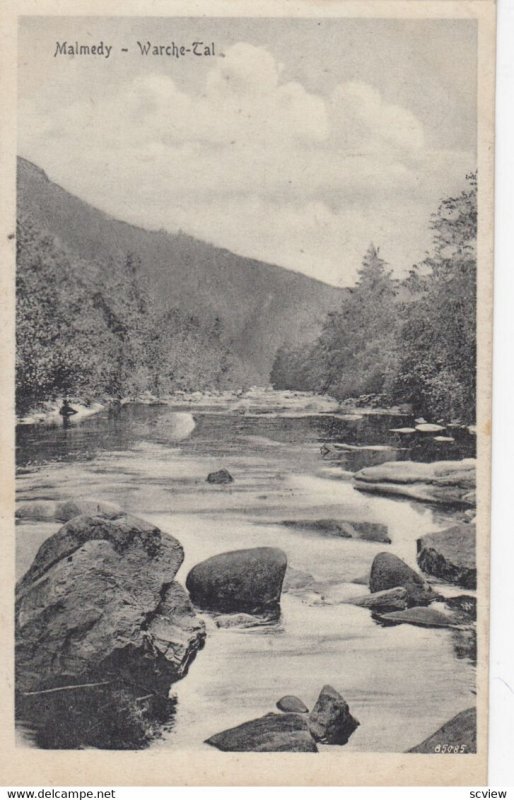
[{"x": 450, "y": 748}]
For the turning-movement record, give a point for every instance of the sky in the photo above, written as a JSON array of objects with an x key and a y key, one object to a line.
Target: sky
[{"x": 298, "y": 142}]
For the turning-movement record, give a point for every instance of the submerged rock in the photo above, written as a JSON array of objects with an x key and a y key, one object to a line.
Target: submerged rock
[
  {"x": 450, "y": 555},
  {"x": 446, "y": 482},
  {"x": 388, "y": 572},
  {"x": 458, "y": 735},
  {"x": 370, "y": 531},
  {"x": 330, "y": 721},
  {"x": 221, "y": 476},
  {"x": 387, "y": 600},
  {"x": 38, "y": 511},
  {"x": 361, "y": 580},
  {"x": 293, "y": 704},
  {"x": 421, "y": 616},
  {"x": 296, "y": 580},
  {"x": 47, "y": 510},
  {"x": 99, "y": 602},
  {"x": 241, "y": 621},
  {"x": 73, "y": 508},
  {"x": 242, "y": 580},
  {"x": 272, "y": 733}
]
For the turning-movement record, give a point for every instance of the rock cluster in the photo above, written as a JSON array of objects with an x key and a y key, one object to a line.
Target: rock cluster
[{"x": 329, "y": 722}]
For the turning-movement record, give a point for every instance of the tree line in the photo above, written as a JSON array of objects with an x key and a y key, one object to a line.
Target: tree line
[
  {"x": 94, "y": 330},
  {"x": 411, "y": 341}
]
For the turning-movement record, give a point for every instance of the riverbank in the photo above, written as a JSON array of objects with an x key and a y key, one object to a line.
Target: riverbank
[{"x": 153, "y": 460}]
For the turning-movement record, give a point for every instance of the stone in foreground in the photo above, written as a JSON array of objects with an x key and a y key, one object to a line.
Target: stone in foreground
[
  {"x": 221, "y": 476},
  {"x": 459, "y": 735},
  {"x": 443, "y": 482},
  {"x": 330, "y": 721},
  {"x": 387, "y": 600},
  {"x": 450, "y": 555},
  {"x": 388, "y": 572},
  {"x": 272, "y": 733},
  {"x": 293, "y": 704},
  {"x": 248, "y": 581},
  {"x": 99, "y": 603}
]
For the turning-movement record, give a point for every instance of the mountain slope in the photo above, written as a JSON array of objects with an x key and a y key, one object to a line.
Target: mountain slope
[{"x": 261, "y": 306}]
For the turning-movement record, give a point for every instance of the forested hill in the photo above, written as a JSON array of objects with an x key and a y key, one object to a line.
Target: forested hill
[{"x": 256, "y": 307}]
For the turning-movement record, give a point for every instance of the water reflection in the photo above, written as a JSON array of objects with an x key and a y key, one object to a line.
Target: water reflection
[
  {"x": 107, "y": 717},
  {"x": 202, "y": 429}
]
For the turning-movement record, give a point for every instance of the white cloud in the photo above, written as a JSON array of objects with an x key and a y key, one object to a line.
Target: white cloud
[{"x": 251, "y": 162}]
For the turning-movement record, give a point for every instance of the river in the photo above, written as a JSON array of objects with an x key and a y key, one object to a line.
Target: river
[{"x": 401, "y": 682}]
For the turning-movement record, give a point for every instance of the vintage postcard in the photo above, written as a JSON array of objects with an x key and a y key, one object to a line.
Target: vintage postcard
[{"x": 246, "y": 434}]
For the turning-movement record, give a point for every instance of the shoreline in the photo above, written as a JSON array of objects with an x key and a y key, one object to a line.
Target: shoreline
[{"x": 255, "y": 401}]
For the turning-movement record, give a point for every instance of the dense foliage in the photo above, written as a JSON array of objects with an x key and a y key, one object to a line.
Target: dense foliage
[
  {"x": 92, "y": 330},
  {"x": 413, "y": 341}
]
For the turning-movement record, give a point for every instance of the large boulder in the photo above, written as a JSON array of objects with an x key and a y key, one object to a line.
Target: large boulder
[
  {"x": 272, "y": 733},
  {"x": 242, "y": 580},
  {"x": 99, "y": 603},
  {"x": 458, "y": 735},
  {"x": 388, "y": 572},
  {"x": 444, "y": 482},
  {"x": 450, "y": 555},
  {"x": 330, "y": 721}
]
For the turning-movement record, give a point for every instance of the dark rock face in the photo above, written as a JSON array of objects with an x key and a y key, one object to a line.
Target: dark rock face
[
  {"x": 293, "y": 704},
  {"x": 242, "y": 580},
  {"x": 450, "y": 555},
  {"x": 221, "y": 476},
  {"x": 110, "y": 717},
  {"x": 447, "y": 482},
  {"x": 421, "y": 616},
  {"x": 272, "y": 733},
  {"x": 388, "y": 572},
  {"x": 388, "y": 600},
  {"x": 40, "y": 511},
  {"x": 459, "y": 735},
  {"x": 46, "y": 510},
  {"x": 330, "y": 721},
  {"x": 99, "y": 603}
]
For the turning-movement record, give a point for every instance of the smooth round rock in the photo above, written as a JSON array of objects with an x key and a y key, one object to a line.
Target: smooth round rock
[{"x": 293, "y": 704}]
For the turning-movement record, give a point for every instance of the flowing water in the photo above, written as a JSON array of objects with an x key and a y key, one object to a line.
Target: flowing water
[{"x": 401, "y": 682}]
